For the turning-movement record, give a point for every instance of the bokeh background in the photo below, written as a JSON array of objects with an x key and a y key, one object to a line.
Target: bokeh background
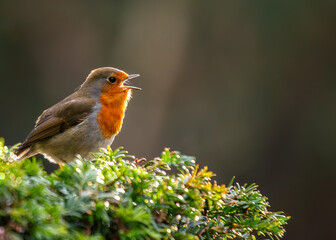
[{"x": 247, "y": 87}]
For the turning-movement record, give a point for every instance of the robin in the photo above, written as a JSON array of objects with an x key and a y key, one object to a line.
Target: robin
[{"x": 83, "y": 122}]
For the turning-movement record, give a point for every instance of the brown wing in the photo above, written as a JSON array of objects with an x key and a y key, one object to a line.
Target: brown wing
[{"x": 57, "y": 119}]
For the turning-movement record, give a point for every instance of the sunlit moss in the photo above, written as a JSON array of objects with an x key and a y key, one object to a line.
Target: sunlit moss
[{"x": 114, "y": 196}]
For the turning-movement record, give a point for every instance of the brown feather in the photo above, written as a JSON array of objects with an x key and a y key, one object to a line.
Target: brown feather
[{"x": 57, "y": 119}]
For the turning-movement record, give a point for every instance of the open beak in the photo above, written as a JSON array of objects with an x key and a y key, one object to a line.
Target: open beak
[{"x": 130, "y": 77}]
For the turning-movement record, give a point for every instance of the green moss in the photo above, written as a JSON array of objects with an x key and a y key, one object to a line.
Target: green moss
[{"x": 117, "y": 197}]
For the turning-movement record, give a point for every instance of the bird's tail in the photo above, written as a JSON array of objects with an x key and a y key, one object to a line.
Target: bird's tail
[{"x": 23, "y": 152}]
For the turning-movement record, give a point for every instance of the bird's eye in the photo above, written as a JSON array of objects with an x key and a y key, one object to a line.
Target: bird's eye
[{"x": 112, "y": 79}]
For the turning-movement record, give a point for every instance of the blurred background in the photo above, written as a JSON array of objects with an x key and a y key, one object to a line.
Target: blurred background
[{"x": 248, "y": 88}]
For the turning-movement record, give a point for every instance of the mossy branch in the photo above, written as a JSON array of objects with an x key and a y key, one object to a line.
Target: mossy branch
[{"x": 115, "y": 196}]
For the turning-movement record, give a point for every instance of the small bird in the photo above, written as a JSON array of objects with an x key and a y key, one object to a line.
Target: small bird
[{"x": 83, "y": 122}]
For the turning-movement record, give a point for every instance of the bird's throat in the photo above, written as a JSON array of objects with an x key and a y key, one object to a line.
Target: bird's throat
[{"x": 111, "y": 115}]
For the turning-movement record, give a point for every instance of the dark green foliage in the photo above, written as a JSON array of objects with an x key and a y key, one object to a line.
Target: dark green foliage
[{"x": 111, "y": 197}]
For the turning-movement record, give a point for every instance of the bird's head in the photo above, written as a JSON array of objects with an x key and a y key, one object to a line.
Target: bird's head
[{"x": 108, "y": 81}]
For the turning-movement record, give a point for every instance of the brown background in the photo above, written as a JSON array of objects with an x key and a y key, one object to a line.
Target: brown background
[{"x": 247, "y": 87}]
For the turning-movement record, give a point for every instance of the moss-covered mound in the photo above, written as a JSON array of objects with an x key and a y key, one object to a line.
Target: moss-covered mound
[{"x": 116, "y": 196}]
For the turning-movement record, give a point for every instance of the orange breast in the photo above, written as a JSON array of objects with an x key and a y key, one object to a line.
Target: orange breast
[{"x": 111, "y": 115}]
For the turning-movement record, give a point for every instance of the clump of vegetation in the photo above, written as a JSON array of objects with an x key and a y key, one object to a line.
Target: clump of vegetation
[{"x": 115, "y": 196}]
